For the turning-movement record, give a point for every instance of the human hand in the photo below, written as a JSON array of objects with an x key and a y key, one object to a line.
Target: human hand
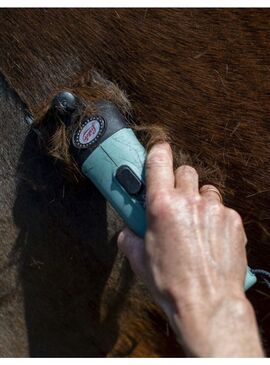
[{"x": 193, "y": 257}]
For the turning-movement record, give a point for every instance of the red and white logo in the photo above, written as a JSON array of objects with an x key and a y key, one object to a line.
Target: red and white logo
[{"x": 89, "y": 132}]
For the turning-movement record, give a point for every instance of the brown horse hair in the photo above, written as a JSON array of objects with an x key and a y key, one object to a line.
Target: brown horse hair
[{"x": 89, "y": 88}]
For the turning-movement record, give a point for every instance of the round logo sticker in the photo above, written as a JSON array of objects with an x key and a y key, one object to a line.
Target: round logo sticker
[{"x": 89, "y": 132}]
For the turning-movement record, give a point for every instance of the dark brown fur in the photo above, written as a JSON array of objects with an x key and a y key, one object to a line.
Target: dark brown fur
[{"x": 201, "y": 77}]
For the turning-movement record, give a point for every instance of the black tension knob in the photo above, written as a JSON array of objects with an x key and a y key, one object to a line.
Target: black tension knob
[{"x": 64, "y": 103}]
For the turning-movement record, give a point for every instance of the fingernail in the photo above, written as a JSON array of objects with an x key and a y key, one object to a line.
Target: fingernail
[
  {"x": 121, "y": 238},
  {"x": 162, "y": 143}
]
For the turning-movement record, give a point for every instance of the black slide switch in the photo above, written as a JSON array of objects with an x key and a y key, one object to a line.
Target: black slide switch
[{"x": 127, "y": 178}]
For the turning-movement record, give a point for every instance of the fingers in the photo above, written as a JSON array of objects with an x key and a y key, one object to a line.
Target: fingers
[
  {"x": 133, "y": 248},
  {"x": 187, "y": 180},
  {"x": 159, "y": 169},
  {"x": 210, "y": 192}
]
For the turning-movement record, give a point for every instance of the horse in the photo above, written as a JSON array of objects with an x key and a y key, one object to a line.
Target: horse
[{"x": 198, "y": 78}]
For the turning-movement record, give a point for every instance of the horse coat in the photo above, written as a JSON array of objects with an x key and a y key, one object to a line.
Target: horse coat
[{"x": 201, "y": 77}]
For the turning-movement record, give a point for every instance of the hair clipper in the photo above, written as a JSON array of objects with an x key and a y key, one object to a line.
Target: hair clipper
[{"x": 110, "y": 155}]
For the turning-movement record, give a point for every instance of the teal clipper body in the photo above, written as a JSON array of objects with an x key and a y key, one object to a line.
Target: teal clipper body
[
  {"x": 118, "y": 172},
  {"x": 111, "y": 156}
]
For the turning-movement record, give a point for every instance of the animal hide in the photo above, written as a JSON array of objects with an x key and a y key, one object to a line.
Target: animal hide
[{"x": 199, "y": 78}]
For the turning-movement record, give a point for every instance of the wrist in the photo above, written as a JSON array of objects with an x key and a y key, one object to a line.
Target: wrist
[{"x": 222, "y": 328}]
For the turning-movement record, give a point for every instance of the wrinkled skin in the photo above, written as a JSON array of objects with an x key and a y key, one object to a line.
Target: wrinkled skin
[{"x": 193, "y": 249}]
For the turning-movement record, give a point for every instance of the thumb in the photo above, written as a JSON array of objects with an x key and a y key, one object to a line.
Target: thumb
[{"x": 133, "y": 248}]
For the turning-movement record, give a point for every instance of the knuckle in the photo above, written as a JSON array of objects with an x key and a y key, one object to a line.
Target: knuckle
[
  {"x": 158, "y": 203},
  {"x": 235, "y": 217},
  {"x": 188, "y": 203},
  {"x": 192, "y": 200},
  {"x": 211, "y": 207},
  {"x": 159, "y": 157},
  {"x": 214, "y": 205}
]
